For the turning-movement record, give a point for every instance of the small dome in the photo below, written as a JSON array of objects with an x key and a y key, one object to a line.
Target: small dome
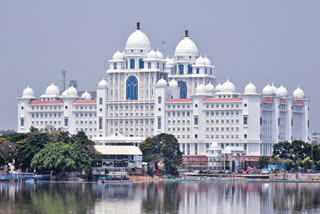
[
  {"x": 162, "y": 82},
  {"x": 218, "y": 88},
  {"x": 152, "y": 55},
  {"x": 173, "y": 84},
  {"x": 207, "y": 61},
  {"x": 159, "y": 55},
  {"x": 186, "y": 47},
  {"x": 274, "y": 88},
  {"x": 65, "y": 94},
  {"x": 250, "y": 89},
  {"x": 103, "y": 83},
  {"x": 200, "y": 61},
  {"x": 52, "y": 90},
  {"x": 282, "y": 92},
  {"x": 86, "y": 96},
  {"x": 169, "y": 63},
  {"x": 209, "y": 88},
  {"x": 27, "y": 93},
  {"x": 228, "y": 87},
  {"x": 267, "y": 90},
  {"x": 117, "y": 55},
  {"x": 138, "y": 40},
  {"x": 72, "y": 92},
  {"x": 201, "y": 90},
  {"x": 298, "y": 94}
]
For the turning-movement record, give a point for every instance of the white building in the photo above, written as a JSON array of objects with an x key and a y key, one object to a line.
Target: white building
[{"x": 144, "y": 95}]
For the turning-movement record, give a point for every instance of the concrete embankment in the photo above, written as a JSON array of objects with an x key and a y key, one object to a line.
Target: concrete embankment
[{"x": 295, "y": 176}]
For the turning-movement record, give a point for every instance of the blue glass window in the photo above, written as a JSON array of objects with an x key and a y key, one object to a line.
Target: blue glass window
[
  {"x": 189, "y": 69},
  {"x": 158, "y": 65},
  {"x": 114, "y": 66},
  {"x": 206, "y": 71},
  {"x": 149, "y": 65},
  {"x": 132, "y": 88},
  {"x": 210, "y": 70},
  {"x": 141, "y": 63},
  {"x": 181, "y": 69},
  {"x": 198, "y": 70},
  {"x": 132, "y": 61},
  {"x": 126, "y": 64},
  {"x": 183, "y": 89}
]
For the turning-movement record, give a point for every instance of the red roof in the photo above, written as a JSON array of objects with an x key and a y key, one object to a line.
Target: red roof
[
  {"x": 179, "y": 101},
  {"x": 267, "y": 100},
  {"x": 84, "y": 102},
  {"x": 222, "y": 100},
  {"x": 298, "y": 103},
  {"x": 41, "y": 102},
  {"x": 283, "y": 102}
]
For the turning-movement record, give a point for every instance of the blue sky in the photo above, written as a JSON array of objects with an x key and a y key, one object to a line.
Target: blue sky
[{"x": 262, "y": 41}]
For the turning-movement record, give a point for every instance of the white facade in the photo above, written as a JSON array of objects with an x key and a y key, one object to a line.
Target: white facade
[{"x": 144, "y": 94}]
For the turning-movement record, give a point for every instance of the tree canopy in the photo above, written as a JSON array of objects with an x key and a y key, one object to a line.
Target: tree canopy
[
  {"x": 162, "y": 147},
  {"x": 59, "y": 157}
]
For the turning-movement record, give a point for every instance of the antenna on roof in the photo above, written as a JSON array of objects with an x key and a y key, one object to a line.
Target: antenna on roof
[
  {"x": 186, "y": 33},
  {"x": 64, "y": 74},
  {"x": 138, "y": 25}
]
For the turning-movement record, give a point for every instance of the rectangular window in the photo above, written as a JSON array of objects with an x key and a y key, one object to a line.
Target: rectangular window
[
  {"x": 149, "y": 65},
  {"x": 66, "y": 121},
  {"x": 291, "y": 122},
  {"x": 159, "y": 100},
  {"x": 245, "y": 136},
  {"x": 100, "y": 122},
  {"x": 159, "y": 122},
  {"x": 22, "y": 122},
  {"x": 196, "y": 149},
  {"x": 158, "y": 65},
  {"x": 198, "y": 70},
  {"x": 100, "y": 100},
  {"x": 196, "y": 120},
  {"x": 260, "y": 121},
  {"x": 115, "y": 66},
  {"x": 245, "y": 120},
  {"x": 189, "y": 69}
]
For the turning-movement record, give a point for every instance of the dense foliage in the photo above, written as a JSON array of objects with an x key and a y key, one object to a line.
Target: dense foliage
[
  {"x": 263, "y": 162},
  {"x": 46, "y": 152},
  {"x": 162, "y": 147},
  {"x": 297, "y": 154}
]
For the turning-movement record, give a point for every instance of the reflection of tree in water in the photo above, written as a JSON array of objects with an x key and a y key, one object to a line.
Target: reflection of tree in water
[
  {"x": 46, "y": 198},
  {"x": 296, "y": 197},
  {"x": 161, "y": 198}
]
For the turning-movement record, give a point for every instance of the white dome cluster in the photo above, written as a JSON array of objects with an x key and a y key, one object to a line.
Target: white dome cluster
[
  {"x": 228, "y": 87},
  {"x": 218, "y": 88},
  {"x": 250, "y": 89},
  {"x": 154, "y": 55},
  {"x": 71, "y": 92},
  {"x": 201, "y": 90},
  {"x": 209, "y": 88},
  {"x": 267, "y": 90},
  {"x": 169, "y": 62},
  {"x": 103, "y": 84},
  {"x": 186, "y": 47},
  {"x": 162, "y": 82},
  {"x": 173, "y": 84},
  {"x": 200, "y": 61},
  {"x": 298, "y": 94},
  {"x": 52, "y": 90},
  {"x": 86, "y": 96},
  {"x": 282, "y": 91},
  {"x": 28, "y": 93},
  {"x": 138, "y": 40},
  {"x": 117, "y": 56}
]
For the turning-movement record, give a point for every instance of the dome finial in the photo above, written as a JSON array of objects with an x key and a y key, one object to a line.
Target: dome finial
[
  {"x": 186, "y": 33},
  {"x": 138, "y": 25}
]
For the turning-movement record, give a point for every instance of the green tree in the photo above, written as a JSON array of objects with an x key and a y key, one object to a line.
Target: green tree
[
  {"x": 289, "y": 164},
  {"x": 162, "y": 147},
  {"x": 306, "y": 163},
  {"x": 29, "y": 147},
  {"x": 57, "y": 157},
  {"x": 263, "y": 162},
  {"x": 2, "y": 159}
]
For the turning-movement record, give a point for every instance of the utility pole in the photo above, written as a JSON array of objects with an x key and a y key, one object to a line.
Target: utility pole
[{"x": 64, "y": 74}]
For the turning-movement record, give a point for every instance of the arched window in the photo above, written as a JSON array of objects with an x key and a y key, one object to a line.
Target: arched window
[
  {"x": 132, "y": 88},
  {"x": 183, "y": 89},
  {"x": 181, "y": 69},
  {"x": 132, "y": 61},
  {"x": 141, "y": 63},
  {"x": 189, "y": 69}
]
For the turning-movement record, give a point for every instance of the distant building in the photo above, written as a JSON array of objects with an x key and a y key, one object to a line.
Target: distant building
[
  {"x": 144, "y": 95},
  {"x": 315, "y": 138},
  {"x": 73, "y": 83}
]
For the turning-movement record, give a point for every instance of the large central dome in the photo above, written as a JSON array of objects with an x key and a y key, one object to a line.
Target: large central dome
[
  {"x": 138, "y": 40},
  {"x": 186, "y": 47}
]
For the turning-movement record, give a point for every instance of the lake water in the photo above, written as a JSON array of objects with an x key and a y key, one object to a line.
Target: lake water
[{"x": 163, "y": 197}]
